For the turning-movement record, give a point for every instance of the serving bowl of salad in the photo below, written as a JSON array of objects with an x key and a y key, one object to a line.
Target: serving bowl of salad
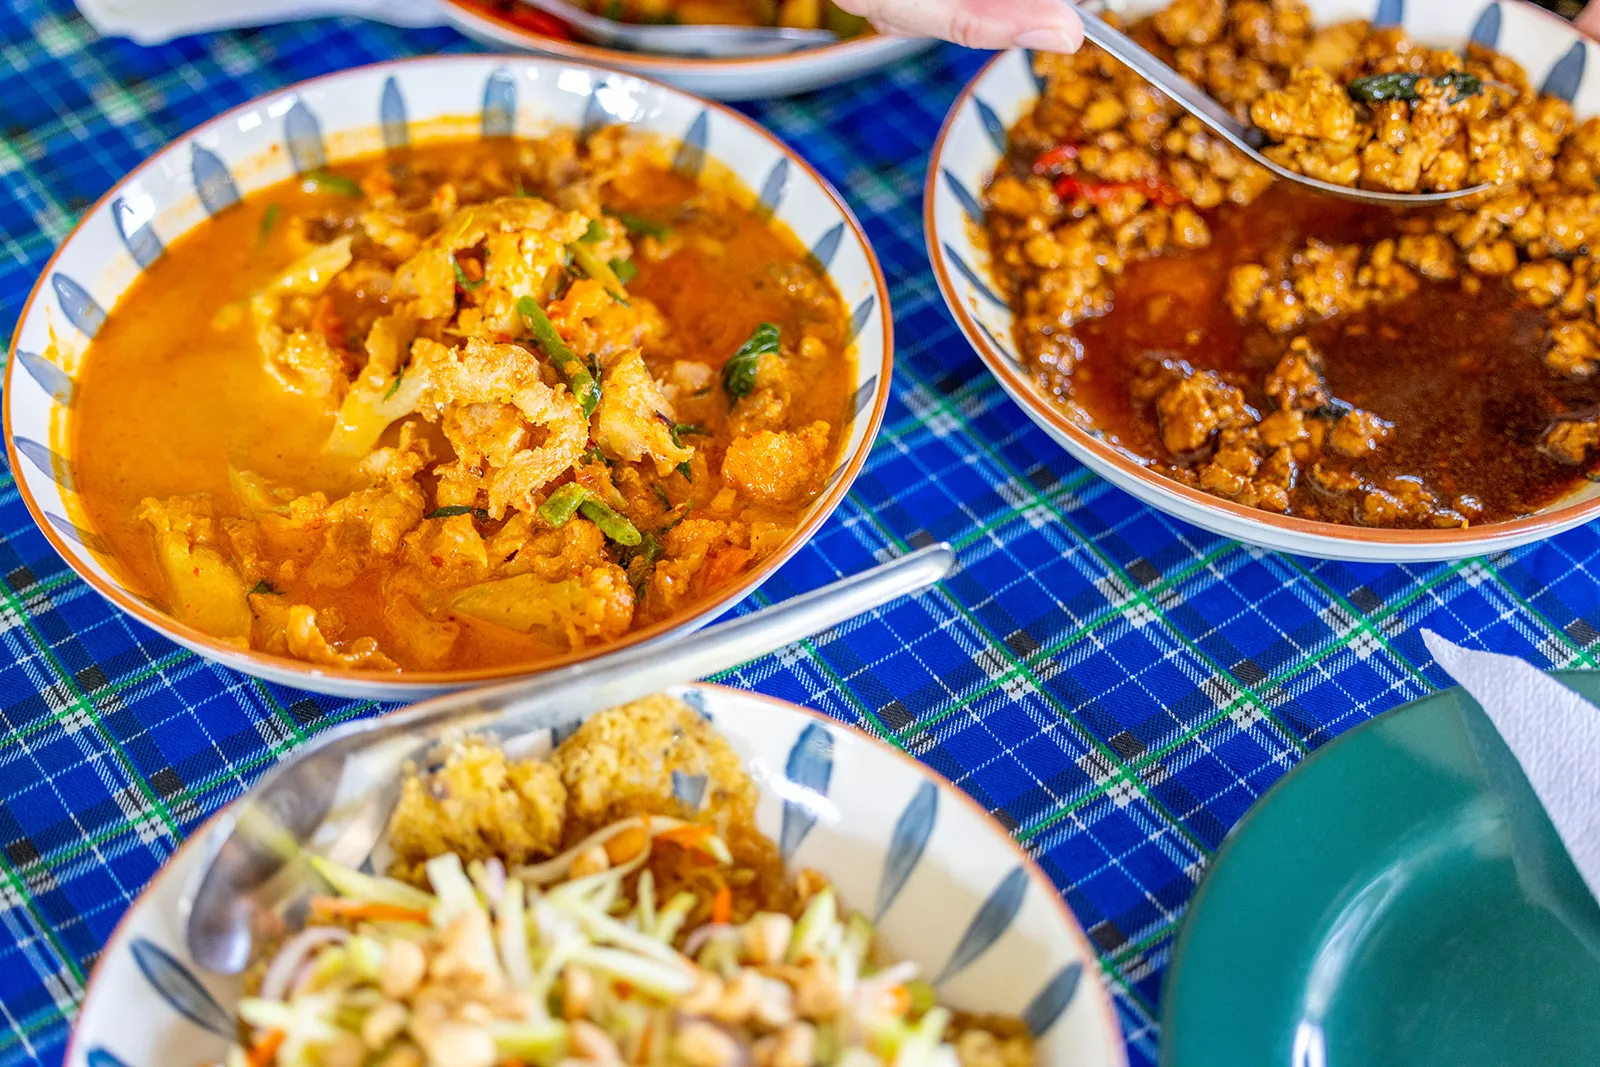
[{"x": 706, "y": 878}]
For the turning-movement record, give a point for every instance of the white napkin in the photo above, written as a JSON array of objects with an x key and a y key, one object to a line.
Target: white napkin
[
  {"x": 1553, "y": 733},
  {"x": 155, "y": 21}
]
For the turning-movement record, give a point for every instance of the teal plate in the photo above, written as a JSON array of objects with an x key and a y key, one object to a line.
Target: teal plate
[{"x": 1398, "y": 900}]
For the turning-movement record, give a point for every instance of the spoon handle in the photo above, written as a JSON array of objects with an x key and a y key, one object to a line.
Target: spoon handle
[
  {"x": 335, "y": 794},
  {"x": 638, "y": 672},
  {"x": 1182, "y": 91}
]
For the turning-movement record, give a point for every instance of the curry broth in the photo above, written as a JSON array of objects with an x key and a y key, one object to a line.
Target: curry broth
[{"x": 168, "y": 398}]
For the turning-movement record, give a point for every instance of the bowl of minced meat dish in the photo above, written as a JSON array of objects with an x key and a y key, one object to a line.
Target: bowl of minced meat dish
[{"x": 1291, "y": 369}]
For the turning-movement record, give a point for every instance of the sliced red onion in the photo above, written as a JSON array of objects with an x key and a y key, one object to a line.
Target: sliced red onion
[
  {"x": 282, "y": 971},
  {"x": 700, "y": 935},
  {"x": 302, "y": 976}
]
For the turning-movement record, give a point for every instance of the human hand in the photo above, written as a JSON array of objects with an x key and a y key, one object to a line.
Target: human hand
[
  {"x": 1045, "y": 25},
  {"x": 1588, "y": 20}
]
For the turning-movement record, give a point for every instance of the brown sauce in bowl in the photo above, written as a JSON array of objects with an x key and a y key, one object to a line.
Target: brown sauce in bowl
[{"x": 1458, "y": 374}]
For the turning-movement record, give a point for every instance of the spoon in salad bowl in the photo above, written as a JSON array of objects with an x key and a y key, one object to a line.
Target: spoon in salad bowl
[
  {"x": 1243, "y": 137},
  {"x": 680, "y": 39},
  {"x": 326, "y": 806}
]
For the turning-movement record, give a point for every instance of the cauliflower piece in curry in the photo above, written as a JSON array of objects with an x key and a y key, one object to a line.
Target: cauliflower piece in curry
[
  {"x": 291, "y": 315},
  {"x": 634, "y": 419},
  {"x": 778, "y": 468}
]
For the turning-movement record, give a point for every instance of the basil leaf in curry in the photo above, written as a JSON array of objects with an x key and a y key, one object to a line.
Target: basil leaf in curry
[
  {"x": 739, "y": 373},
  {"x": 462, "y": 279},
  {"x": 1402, "y": 85},
  {"x": 640, "y": 226},
  {"x": 322, "y": 181},
  {"x": 269, "y": 219},
  {"x": 624, "y": 270}
]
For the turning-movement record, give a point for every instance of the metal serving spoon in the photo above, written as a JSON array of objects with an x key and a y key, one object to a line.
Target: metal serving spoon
[
  {"x": 708, "y": 42},
  {"x": 1245, "y": 138},
  {"x": 334, "y": 796}
]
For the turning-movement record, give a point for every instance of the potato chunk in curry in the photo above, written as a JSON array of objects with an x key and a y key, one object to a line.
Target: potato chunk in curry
[{"x": 462, "y": 407}]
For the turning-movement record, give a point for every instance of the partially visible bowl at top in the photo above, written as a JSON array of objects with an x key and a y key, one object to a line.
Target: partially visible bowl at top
[
  {"x": 723, "y": 79},
  {"x": 302, "y": 130},
  {"x": 974, "y": 142}
]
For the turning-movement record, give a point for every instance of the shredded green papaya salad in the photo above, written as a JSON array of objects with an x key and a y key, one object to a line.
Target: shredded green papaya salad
[{"x": 648, "y": 941}]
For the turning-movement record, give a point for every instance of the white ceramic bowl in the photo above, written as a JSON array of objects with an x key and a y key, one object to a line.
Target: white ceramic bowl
[
  {"x": 949, "y": 889},
  {"x": 722, "y": 79},
  {"x": 972, "y": 144},
  {"x": 355, "y": 113}
]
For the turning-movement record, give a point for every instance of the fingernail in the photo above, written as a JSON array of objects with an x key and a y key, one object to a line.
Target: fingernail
[{"x": 1053, "y": 39}]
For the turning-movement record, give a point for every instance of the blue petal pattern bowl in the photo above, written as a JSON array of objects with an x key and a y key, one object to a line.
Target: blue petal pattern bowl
[
  {"x": 972, "y": 143},
  {"x": 949, "y": 890},
  {"x": 355, "y": 113}
]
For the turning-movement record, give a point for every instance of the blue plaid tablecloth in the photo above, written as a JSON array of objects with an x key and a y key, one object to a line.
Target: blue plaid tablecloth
[{"x": 1115, "y": 686}]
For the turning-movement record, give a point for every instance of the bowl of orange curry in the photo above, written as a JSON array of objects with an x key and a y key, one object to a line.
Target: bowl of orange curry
[
  {"x": 440, "y": 371},
  {"x": 1295, "y": 371}
]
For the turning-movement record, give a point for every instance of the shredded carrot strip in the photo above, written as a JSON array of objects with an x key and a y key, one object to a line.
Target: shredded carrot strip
[
  {"x": 722, "y": 905},
  {"x": 358, "y": 909},
  {"x": 689, "y": 835},
  {"x": 263, "y": 1052},
  {"x": 902, "y": 999}
]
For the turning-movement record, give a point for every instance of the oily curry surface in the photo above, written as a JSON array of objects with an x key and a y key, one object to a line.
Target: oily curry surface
[{"x": 475, "y": 405}]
